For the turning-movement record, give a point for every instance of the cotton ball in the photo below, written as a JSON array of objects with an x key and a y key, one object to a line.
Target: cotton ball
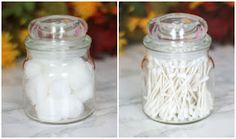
[
  {"x": 41, "y": 86},
  {"x": 59, "y": 88},
  {"x": 30, "y": 92},
  {"x": 36, "y": 89},
  {"x": 52, "y": 68},
  {"x": 49, "y": 110},
  {"x": 86, "y": 92},
  {"x": 80, "y": 74},
  {"x": 35, "y": 84},
  {"x": 47, "y": 62},
  {"x": 31, "y": 68},
  {"x": 51, "y": 91},
  {"x": 57, "y": 109},
  {"x": 71, "y": 107}
]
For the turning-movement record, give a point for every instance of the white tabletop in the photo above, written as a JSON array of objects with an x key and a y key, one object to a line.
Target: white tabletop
[
  {"x": 101, "y": 124},
  {"x": 133, "y": 121}
]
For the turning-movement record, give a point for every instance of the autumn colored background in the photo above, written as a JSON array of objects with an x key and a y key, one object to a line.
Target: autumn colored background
[
  {"x": 134, "y": 17},
  {"x": 101, "y": 19},
  {"x": 100, "y": 16}
]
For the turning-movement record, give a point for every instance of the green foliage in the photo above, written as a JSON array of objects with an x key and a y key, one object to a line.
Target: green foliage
[
  {"x": 50, "y": 8},
  {"x": 132, "y": 9},
  {"x": 162, "y": 7},
  {"x": 139, "y": 10},
  {"x": 17, "y": 15},
  {"x": 17, "y": 9}
]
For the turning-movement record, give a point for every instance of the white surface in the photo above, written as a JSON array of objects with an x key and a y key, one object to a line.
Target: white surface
[
  {"x": 133, "y": 122},
  {"x": 101, "y": 124}
]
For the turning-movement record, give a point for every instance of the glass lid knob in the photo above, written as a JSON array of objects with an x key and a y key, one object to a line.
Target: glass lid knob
[
  {"x": 57, "y": 28},
  {"x": 177, "y": 26}
]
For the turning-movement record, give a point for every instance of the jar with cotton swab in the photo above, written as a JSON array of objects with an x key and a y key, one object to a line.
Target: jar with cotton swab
[
  {"x": 59, "y": 74},
  {"x": 177, "y": 69}
]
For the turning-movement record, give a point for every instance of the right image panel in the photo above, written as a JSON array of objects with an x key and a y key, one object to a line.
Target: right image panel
[{"x": 176, "y": 69}]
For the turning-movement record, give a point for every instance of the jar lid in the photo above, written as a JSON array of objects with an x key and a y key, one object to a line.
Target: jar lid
[
  {"x": 58, "y": 32},
  {"x": 177, "y": 32}
]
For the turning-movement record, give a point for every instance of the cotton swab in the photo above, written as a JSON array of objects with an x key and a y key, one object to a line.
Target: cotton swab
[{"x": 177, "y": 90}]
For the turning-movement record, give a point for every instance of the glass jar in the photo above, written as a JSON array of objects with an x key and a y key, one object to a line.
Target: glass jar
[
  {"x": 177, "y": 69},
  {"x": 58, "y": 71}
]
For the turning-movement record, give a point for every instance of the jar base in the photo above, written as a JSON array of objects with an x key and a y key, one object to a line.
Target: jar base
[
  {"x": 60, "y": 122},
  {"x": 176, "y": 123}
]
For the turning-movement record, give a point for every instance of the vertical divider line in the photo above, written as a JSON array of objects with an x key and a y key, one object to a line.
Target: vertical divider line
[
  {"x": 234, "y": 69},
  {"x": 1, "y": 71},
  {"x": 118, "y": 131}
]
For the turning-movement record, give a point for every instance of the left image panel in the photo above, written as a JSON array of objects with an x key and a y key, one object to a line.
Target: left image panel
[{"x": 59, "y": 74}]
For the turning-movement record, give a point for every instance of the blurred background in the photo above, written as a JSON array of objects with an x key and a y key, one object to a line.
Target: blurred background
[
  {"x": 100, "y": 16},
  {"x": 134, "y": 18}
]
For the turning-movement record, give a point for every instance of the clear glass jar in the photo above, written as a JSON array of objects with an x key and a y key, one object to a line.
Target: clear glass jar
[
  {"x": 177, "y": 69},
  {"x": 58, "y": 71}
]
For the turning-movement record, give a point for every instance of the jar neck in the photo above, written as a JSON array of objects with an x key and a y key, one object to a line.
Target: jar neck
[
  {"x": 178, "y": 56},
  {"x": 57, "y": 55},
  {"x": 177, "y": 46},
  {"x": 58, "y": 45}
]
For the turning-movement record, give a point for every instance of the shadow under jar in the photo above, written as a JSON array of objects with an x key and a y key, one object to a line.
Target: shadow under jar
[
  {"x": 177, "y": 69},
  {"x": 58, "y": 71}
]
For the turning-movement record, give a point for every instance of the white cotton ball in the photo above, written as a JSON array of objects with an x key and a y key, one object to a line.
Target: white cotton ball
[
  {"x": 85, "y": 93},
  {"x": 49, "y": 110},
  {"x": 72, "y": 107},
  {"x": 53, "y": 69},
  {"x": 36, "y": 89},
  {"x": 59, "y": 88},
  {"x": 50, "y": 89},
  {"x": 57, "y": 109},
  {"x": 41, "y": 86},
  {"x": 80, "y": 74},
  {"x": 30, "y": 92},
  {"x": 31, "y": 68},
  {"x": 46, "y": 62}
]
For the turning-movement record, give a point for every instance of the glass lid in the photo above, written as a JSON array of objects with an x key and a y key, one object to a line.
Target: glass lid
[
  {"x": 177, "y": 32},
  {"x": 57, "y": 32}
]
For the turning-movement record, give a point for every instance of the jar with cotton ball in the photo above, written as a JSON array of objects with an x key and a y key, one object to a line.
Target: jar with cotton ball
[
  {"x": 178, "y": 71},
  {"x": 59, "y": 76}
]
